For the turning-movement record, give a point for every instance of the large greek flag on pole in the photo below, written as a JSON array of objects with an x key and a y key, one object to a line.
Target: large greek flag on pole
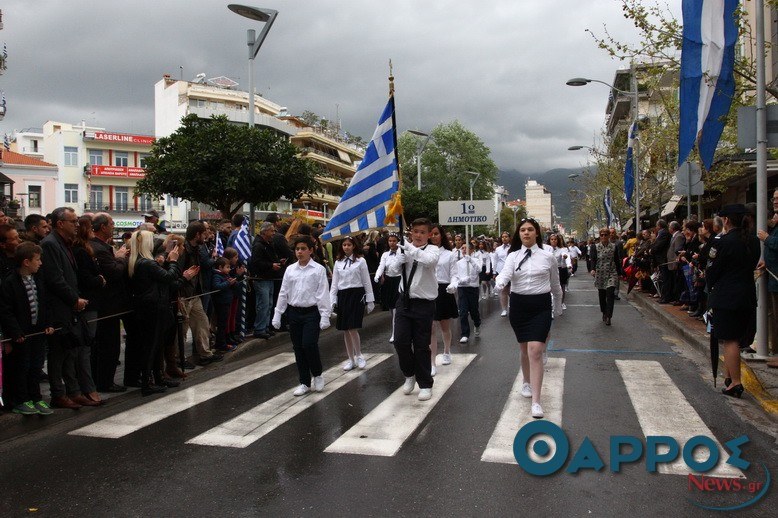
[
  {"x": 243, "y": 241},
  {"x": 606, "y": 203},
  {"x": 364, "y": 204},
  {"x": 629, "y": 167},
  {"x": 707, "y": 78}
]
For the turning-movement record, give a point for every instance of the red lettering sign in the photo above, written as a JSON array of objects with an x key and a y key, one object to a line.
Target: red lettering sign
[
  {"x": 117, "y": 171},
  {"x": 121, "y": 137}
]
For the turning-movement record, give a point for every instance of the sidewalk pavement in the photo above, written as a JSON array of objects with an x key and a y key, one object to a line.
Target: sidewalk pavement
[{"x": 759, "y": 380}]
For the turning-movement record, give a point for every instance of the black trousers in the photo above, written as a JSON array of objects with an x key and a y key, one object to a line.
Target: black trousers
[
  {"x": 412, "y": 335},
  {"x": 468, "y": 304},
  {"x": 304, "y": 333},
  {"x": 107, "y": 349},
  {"x": 222, "y": 316},
  {"x": 150, "y": 325},
  {"x": 22, "y": 367},
  {"x": 607, "y": 296},
  {"x": 61, "y": 365},
  {"x": 668, "y": 283}
]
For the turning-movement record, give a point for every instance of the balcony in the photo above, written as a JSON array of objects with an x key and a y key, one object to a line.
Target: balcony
[
  {"x": 242, "y": 116},
  {"x": 127, "y": 208}
]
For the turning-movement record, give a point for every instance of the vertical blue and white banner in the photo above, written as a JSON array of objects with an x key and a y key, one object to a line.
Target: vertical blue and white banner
[
  {"x": 365, "y": 203},
  {"x": 707, "y": 75},
  {"x": 607, "y": 205},
  {"x": 629, "y": 166}
]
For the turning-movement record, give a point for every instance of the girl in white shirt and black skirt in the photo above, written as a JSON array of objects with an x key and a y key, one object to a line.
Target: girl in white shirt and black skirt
[
  {"x": 534, "y": 277},
  {"x": 446, "y": 303},
  {"x": 351, "y": 292},
  {"x": 389, "y": 275}
]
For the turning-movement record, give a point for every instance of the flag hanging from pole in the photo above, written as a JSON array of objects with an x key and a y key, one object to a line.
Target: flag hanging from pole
[
  {"x": 219, "y": 246},
  {"x": 372, "y": 196},
  {"x": 242, "y": 241},
  {"x": 606, "y": 203},
  {"x": 707, "y": 75},
  {"x": 629, "y": 168}
]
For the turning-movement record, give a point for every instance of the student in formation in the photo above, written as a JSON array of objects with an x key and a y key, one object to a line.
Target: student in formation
[
  {"x": 465, "y": 283},
  {"x": 500, "y": 254},
  {"x": 304, "y": 299},
  {"x": 416, "y": 309},
  {"x": 562, "y": 256},
  {"x": 484, "y": 257},
  {"x": 533, "y": 275},
  {"x": 351, "y": 292},
  {"x": 388, "y": 276},
  {"x": 445, "y": 303}
]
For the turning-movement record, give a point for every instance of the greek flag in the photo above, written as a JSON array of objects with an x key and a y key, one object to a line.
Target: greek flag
[
  {"x": 629, "y": 168},
  {"x": 242, "y": 241},
  {"x": 6, "y": 142},
  {"x": 365, "y": 203},
  {"x": 707, "y": 79},
  {"x": 219, "y": 246},
  {"x": 606, "y": 203}
]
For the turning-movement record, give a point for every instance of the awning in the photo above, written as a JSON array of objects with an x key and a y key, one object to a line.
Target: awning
[
  {"x": 5, "y": 179},
  {"x": 671, "y": 205}
]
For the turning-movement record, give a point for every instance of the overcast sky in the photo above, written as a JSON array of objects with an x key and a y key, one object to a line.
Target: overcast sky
[{"x": 498, "y": 66}]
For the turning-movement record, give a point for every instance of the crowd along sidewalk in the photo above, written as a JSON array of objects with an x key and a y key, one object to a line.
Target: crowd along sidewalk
[{"x": 759, "y": 380}]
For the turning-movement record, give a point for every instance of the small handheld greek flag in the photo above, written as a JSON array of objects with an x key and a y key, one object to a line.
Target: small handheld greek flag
[
  {"x": 243, "y": 241},
  {"x": 219, "y": 246},
  {"x": 606, "y": 203}
]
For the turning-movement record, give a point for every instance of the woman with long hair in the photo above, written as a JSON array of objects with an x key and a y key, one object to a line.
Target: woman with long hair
[
  {"x": 606, "y": 269},
  {"x": 562, "y": 256},
  {"x": 445, "y": 303},
  {"x": 351, "y": 292},
  {"x": 389, "y": 275},
  {"x": 150, "y": 285},
  {"x": 534, "y": 277}
]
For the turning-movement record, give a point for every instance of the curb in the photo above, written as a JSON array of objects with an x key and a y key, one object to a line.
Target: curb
[{"x": 749, "y": 377}]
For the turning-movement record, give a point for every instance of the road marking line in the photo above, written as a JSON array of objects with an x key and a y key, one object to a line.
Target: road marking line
[
  {"x": 516, "y": 414},
  {"x": 384, "y": 430},
  {"x": 662, "y": 409},
  {"x": 252, "y": 425},
  {"x": 141, "y": 416}
]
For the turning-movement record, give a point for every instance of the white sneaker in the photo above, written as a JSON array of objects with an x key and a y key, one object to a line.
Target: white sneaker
[
  {"x": 408, "y": 386},
  {"x": 564, "y": 306},
  {"x": 504, "y": 313},
  {"x": 433, "y": 371},
  {"x": 545, "y": 357},
  {"x": 425, "y": 394},
  {"x": 537, "y": 411},
  {"x": 302, "y": 389},
  {"x": 463, "y": 340},
  {"x": 348, "y": 365},
  {"x": 361, "y": 363},
  {"x": 318, "y": 383},
  {"x": 446, "y": 359},
  {"x": 477, "y": 331},
  {"x": 526, "y": 390},
  {"x": 391, "y": 339}
]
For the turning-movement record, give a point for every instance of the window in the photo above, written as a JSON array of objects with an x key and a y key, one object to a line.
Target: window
[
  {"x": 96, "y": 197},
  {"x": 144, "y": 202},
  {"x": 172, "y": 201},
  {"x": 34, "y": 196},
  {"x": 96, "y": 156},
  {"x": 71, "y": 156},
  {"x": 121, "y": 158},
  {"x": 34, "y": 145},
  {"x": 142, "y": 159},
  {"x": 71, "y": 193},
  {"x": 122, "y": 195},
  {"x": 197, "y": 103}
]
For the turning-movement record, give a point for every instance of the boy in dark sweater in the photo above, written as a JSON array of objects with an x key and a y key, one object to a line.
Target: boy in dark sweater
[
  {"x": 222, "y": 301},
  {"x": 21, "y": 314}
]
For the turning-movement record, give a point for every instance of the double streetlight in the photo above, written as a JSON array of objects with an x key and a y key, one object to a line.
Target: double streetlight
[
  {"x": 421, "y": 144},
  {"x": 582, "y": 81}
]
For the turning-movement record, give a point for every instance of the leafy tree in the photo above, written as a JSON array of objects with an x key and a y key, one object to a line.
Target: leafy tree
[
  {"x": 507, "y": 220},
  {"x": 226, "y": 165},
  {"x": 310, "y": 118}
]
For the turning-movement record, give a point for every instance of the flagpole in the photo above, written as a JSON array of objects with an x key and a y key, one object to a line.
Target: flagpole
[
  {"x": 761, "y": 173},
  {"x": 396, "y": 146}
]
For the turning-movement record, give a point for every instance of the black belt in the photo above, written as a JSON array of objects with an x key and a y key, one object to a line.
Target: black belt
[{"x": 307, "y": 309}]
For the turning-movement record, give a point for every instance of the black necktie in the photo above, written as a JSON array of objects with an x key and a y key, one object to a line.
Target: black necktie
[
  {"x": 524, "y": 259},
  {"x": 392, "y": 252},
  {"x": 348, "y": 262}
]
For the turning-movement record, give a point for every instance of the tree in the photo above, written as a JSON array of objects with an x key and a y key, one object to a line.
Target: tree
[
  {"x": 226, "y": 165},
  {"x": 507, "y": 220},
  {"x": 452, "y": 151}
]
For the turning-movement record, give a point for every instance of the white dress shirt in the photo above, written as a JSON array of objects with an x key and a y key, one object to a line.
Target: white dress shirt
[
  {"x": 424, "y": 284},
  {"x": 351, "y": 273},
  {"x": 484, "y": 260},
  {"x": 575, "y": 252},
  {"x": 562, "y": 256},
  {"x": 539, "y": 274},
  {"x": 303, "y": 287},
  {"x": 466, "y": 271},
  {"x": 447, "y": 266},
  {"x": 391, "y": 264},
  {"x": 500, "y": 254}
]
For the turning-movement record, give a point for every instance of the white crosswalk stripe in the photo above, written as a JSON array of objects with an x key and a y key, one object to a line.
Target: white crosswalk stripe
[
  {"x": 141, "y": 416},
  {"x": 386, "y": 428},
  {"x": 662, "y": 409},
  {"x": 516, "y": 413},
  {"x": 252, "y": 425}
]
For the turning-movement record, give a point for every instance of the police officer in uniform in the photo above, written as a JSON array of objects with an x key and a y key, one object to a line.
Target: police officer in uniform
[{"x": 733, "y": 257}]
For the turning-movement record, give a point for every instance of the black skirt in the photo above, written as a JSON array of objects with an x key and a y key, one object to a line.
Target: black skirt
[
  {"x": 732, "y": 324},
  {"x": 445, "y": 304},
  {"x": 390, "y": 291},
  {"x": 564, "y": 275},
  {"x": 530, "y": 317},
  {"x": 351, "y": 308}
]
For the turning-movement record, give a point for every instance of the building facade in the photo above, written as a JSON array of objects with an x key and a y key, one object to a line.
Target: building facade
[
  {"x": 539, "y": 204},
  {"x": 31, "y": 184}
]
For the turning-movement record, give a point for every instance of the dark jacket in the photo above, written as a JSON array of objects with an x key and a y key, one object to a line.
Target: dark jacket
[
  {"x": 730, "y": 272},
  {"x": 660, "y": 246},
  {"x": 114, "y": 297},
  {"x": 263, "y": 255},
  {"x": 7, "y": 266},
  {"x": 188, "y": 258},
  {"x": 90, "y": 284},
  {"x": 151, "y": 284},
  {"x": 60, "y": 279},
  {"x": 15, "y": 317},
  {"x": 221, "y": 282}
]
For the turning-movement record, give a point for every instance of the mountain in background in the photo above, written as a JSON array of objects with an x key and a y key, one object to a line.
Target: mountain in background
[{"x": 556, "y": 181}]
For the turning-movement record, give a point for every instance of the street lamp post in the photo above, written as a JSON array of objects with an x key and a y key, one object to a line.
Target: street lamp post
[
  {"x": 254, "y": 43},
  {"x": 419, "y": 150},
  {"x": 472, "y": 184},
  {"x": 581, "y": 81},
  {"x": 515, "y": 209}
]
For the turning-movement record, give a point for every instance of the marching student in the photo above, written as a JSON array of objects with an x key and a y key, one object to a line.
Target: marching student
[
  {"x": 562, "y": 256},
  {"x": 445, "y": 303},
  {"x": 534, "y": 277},
  {"x": 575, "y": 253},
  {"x": 484, "y": 256},
  {"x": 465, "y": 283},
  {"x": 500, "y": 254},
  {"x": 304, "y": 299},
  {"x": 351, "y": 291},
  {"x": 389, "y": 277},
  {"x": 416, "y": 309}
]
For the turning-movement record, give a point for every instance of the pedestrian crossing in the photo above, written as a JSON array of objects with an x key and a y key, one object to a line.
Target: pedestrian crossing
[{"x": 659, "y": 405}]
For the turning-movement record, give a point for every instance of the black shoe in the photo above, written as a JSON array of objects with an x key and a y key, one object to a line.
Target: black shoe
[
  {"x": 114, "y": 389},
  {"x": 617, "y": 298},
  {"x": 696, "y": 314},
  {"x": 188, "y": 365},
  {"x": 734, "y": 391},
  {"x": 152, "y": 389},
  {"x": 216, "y": 358},
  {"x": 607, "y": 321},
  {"x": 262, "y": 336},
  {"x": 271, "y": 331},
  {"x": 727, "y": 382},
  {"x": 169, "y": 383},
  {"x": 132, "y": 383}
]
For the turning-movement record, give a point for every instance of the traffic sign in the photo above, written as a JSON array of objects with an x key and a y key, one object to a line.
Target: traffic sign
[
  {"x": 464, "y": 212},
  {"x": 689, "y": 175}
]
